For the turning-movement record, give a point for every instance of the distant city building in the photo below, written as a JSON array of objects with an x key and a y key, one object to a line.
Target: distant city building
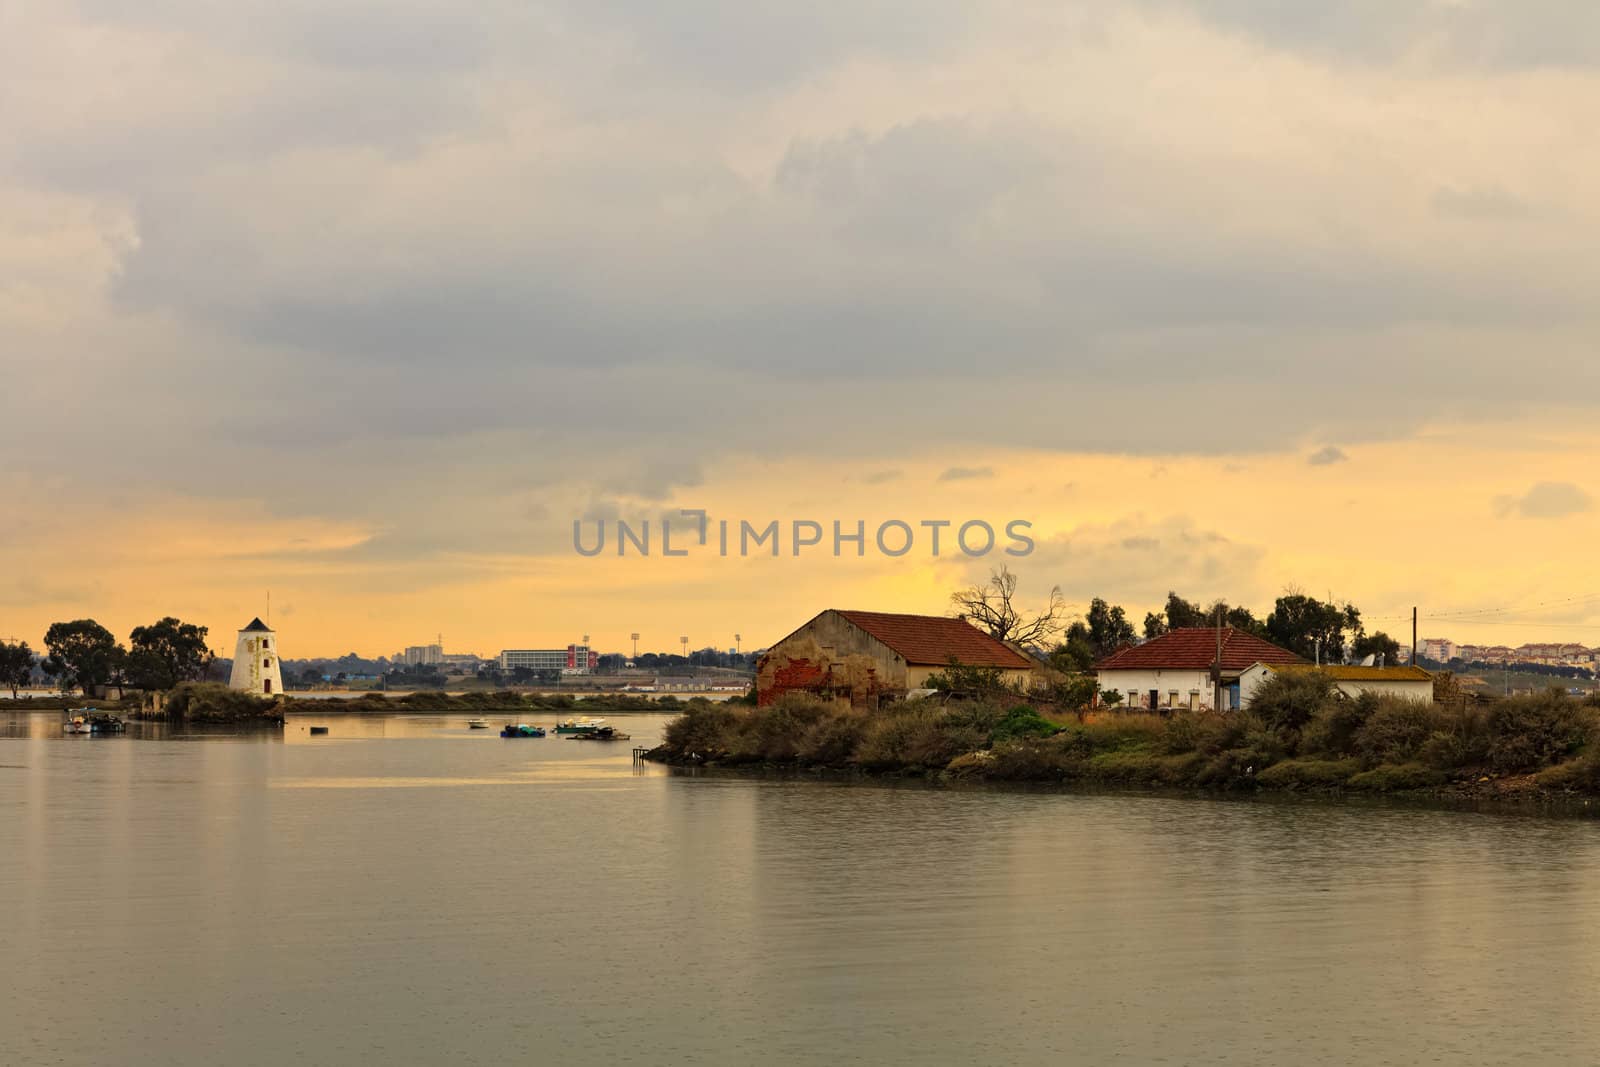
[
  {"x": 1439, "y": 649},
  {"x": 461, "y": 661},
  {"x": 256, "y": 668},
  {"x": 574, "y": 659},
  {"x": 422, "y": 656}
]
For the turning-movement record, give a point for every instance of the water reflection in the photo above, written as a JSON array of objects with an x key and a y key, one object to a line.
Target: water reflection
[{"x": 394, "y": 892}]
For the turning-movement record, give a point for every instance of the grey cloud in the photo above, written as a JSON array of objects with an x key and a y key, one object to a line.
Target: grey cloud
[
  {"x": 655, "y": 479},
  {"x": 1144, "y": 558},
  {"x": 752, "y": 46},
  {"x": 1545, "y": 500},
  {"x": 1327, "y": 456},
  {"x": 426, "y": 289},
  {"x": 881, "y": 477},
  {"x": 1486, "y": 33},
  {"x": 1480, "y": 203},
  {"x": 964, "y": 474}
]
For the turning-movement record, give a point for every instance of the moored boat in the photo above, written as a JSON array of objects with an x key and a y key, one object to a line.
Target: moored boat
[
  {"x": 599, "y": 733},
  {"x": 90, "y": 721},
  {"x": 522, "y": 729},
  {"x": 579, "y": 726},
  {"x": 478, "y": 724}
]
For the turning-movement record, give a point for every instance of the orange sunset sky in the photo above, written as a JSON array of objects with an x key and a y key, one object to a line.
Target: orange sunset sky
[{"x": 1222, "y": 298}]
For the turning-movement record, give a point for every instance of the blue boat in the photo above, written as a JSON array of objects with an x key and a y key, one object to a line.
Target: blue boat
[{"x": 522, "y": 729}]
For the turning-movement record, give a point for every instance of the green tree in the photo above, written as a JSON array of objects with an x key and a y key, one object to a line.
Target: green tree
[
  {"x": 1378, "y": 643},
  {"x": 167, "y": 652},
  {"x": 1109, "y": 628},
  {"x": 1076, "y": 652},
  {"x": 1243, "y": 619},
  {"x": 1074, "y": 690},
  {"x": 83, "y": 654},
  {"x": 1184, "y": 614},
  {"x": 967, "y": 680},
  {"x": 16, "y": 666},
  {"x": 1154, "y": 625},
  {"x": 1305, "y": 624}
]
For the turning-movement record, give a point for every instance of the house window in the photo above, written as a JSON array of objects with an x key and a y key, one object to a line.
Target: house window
[
  {"x": 267, "y": 662},
  {"x": 1172, "y": 698},
  {"x": 1133, "y": 698}
]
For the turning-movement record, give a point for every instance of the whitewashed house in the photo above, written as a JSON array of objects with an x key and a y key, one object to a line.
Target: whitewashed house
[
  {"x": 255, "y": 661},
  {"x": 1407, "y": 683},
  {"x": 1173, "y": 671}
]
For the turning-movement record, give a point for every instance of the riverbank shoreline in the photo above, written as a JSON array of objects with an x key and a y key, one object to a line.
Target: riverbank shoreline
[
  {"x": 1519, "y": 796},
  {"x": 1299, "y": 739}
]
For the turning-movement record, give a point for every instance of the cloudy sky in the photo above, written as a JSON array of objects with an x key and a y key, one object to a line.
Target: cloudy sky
[{"x": 366, "y": 302}]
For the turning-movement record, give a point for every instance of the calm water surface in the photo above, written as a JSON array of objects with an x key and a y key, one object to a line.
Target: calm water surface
[{"x": 406, "y": 891}]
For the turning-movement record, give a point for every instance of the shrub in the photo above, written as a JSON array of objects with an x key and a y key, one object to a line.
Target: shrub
[
  {"x": 1253, "y": 746},
  {"x": 214, "y": 702},
  {"x": 1333, "y": 729},
  {"x": 1391, "y": 777},
  {"x": 1121, "y": 730},
  {"x": 703, "y": 733},
  {"x": 916, "y": 736},
  {"x": 1287, "y": 700},
  {"x": 1022, "y": 721},
  {"x": 832, "y": 740},
  {"x": 1462, "y": 740},
  {"x": 1527, "y": 733},
  {"x": 1310, "y": 774},
  {"x": 1196, "y": 731},
  {"x": 1581, "y": 775},
  {"x": 1396, "y": 730}
]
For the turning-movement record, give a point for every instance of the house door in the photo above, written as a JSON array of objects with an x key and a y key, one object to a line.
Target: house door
[
  {"x": 1155, "y": 699},
  {"x": 266, "y": 685}
]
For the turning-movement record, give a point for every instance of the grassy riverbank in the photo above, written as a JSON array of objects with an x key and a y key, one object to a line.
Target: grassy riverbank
[{"x": 1298, "y": 736}]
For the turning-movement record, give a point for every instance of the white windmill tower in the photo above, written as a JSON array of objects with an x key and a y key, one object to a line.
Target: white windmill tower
[{"x": 255, "y": 661}]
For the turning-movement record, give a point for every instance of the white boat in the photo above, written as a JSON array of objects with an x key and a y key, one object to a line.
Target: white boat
[
  {"x": 76, "y": 723},
  {"x": 478, "y": 724},
  {"x": 579, "y": 726}
]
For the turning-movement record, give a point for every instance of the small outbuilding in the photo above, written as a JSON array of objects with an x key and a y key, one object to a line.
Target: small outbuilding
[
  {"x": 1407, "y": 683},
  {"x": 868, "y": 656}
]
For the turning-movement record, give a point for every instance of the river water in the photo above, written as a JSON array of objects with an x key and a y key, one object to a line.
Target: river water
[{"x": 407, "y": 891}]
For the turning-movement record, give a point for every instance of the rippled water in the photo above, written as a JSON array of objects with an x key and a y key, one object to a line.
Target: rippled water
[{"x": 407, "y": 891}]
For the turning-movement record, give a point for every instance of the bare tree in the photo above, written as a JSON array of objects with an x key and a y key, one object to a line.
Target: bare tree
[{"x": 990, "y": 607}]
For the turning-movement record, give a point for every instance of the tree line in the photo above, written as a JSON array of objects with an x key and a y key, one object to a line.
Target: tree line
[
  {"x": 82, "y": 654},
  {"x": 1329, "y": 630}
]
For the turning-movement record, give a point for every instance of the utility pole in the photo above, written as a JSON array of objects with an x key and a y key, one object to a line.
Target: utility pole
[
  {"x": 1216, "y": 668},
  {"x": 1413, "y": 636}
]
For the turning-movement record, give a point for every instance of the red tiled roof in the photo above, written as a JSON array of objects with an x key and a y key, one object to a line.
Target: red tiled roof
[
  {"x": 1195, "y": 649},
  {"x": 931, "y": 640}
]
